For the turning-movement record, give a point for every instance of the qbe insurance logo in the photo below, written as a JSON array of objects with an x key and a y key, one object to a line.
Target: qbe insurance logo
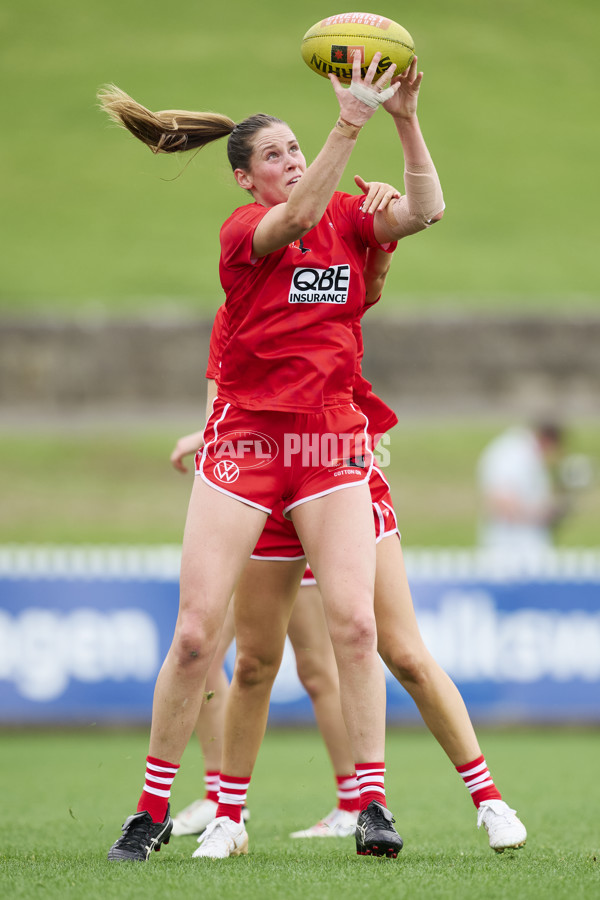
[
  {"x": 311, "y": 285},
  {"x": 239, "y": 450}
]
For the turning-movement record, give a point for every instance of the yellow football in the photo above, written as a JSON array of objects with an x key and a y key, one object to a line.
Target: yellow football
[{"x": 330, "y": 45}]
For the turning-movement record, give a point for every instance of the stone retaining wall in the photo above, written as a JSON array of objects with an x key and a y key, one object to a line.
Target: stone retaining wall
[{"x": 448, "y": 364}]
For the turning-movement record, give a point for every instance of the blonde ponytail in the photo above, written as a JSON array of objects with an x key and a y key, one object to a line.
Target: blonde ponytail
[{"x": 166, "y": 131}]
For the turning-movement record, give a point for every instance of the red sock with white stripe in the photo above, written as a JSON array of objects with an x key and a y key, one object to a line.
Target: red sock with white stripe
[
  {"x": 348, "y": 795},
  {"x": 211, "y": 783},
  {"x": 479, "y": 782},
  {"x": 157, "y": 787},
  {"x": 371, "y": 783},
  {"x": 232, "y": 796}
]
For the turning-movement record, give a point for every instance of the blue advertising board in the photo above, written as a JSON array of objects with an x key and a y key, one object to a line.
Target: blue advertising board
[{"x": 83, "y": 634}]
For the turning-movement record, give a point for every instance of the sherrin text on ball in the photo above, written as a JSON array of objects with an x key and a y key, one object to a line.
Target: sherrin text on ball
[{"x": 330, "y": 45}]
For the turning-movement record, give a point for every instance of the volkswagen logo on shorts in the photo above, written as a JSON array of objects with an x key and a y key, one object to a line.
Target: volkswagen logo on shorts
[
  {"x": 246, "y": 449},
  {"x": 227, "y": 471}
]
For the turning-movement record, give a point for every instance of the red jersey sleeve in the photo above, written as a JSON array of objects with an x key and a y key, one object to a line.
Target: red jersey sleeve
[
  {"x": 388, "y": 248},
  {"x": 237, "y": 234},
  {"x": 349, "y": 206}
]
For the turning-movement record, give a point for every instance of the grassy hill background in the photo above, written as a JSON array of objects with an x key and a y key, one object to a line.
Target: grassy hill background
[{"x": 92, "y": 223}]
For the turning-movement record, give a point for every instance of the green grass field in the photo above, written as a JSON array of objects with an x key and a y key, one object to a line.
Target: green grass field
[
  {"x": 112, "y": 485},
  {"x": 68, "y": 793},
  {"x": 92, "y": 224}
]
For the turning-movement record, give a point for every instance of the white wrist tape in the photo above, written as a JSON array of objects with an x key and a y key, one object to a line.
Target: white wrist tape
[{"x": 370, "y": 96}]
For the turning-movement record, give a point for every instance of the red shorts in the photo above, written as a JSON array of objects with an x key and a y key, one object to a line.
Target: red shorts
[
  {"x": 279, "y": 540},
  {"x": 266, "y": 458}
]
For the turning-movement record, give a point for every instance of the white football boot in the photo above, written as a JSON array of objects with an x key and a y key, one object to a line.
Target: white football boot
[
  {"x": 504, "y": 828},
  {"x": 194, "y": 818},
  {"x": 339, "y": 823},
  {"x": 223, "y": 838}
]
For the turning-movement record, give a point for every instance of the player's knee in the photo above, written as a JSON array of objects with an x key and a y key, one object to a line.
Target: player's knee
[
  {"x": 356, "y": 632},
  {"x": 409, "y": 666},
  {"x": 193, "y": 644},
  {"x": 251, "y": 670},
  {"x": 317, "y": 682},
  {"x": 190, "y": 649}
]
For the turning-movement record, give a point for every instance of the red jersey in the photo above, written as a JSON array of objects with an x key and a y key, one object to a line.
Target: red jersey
[
  {"x": 381, "y": 417},
  {"x": 291, "y": 345},
  {"x": 218, "y": 341}
]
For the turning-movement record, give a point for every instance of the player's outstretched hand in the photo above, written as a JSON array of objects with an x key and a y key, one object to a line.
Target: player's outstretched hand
[
  {"x": 186, "y": 445},
  {"x": 403, "y": 105},
  {"x": 352, "y": 108},
  {"x": 378, "y": 194}
]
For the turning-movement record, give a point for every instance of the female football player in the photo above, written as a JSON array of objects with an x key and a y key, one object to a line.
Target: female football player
[{"x": 292, "y": 270}]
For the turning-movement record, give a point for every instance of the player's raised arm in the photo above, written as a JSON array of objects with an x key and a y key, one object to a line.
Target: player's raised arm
[
  {"x": 305, "y": 192},
  {"x": 423, "y": 202}
]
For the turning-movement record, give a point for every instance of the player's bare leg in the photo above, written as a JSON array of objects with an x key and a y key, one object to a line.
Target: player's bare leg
[
  {"x": 211, "y": 721},
  {"x": 219, "y": 536},
  {"x": 405, "y": 654},
  {"x": 337, "y": 534},
  {"x": 263, "y": 602},
  {"x": 435, "y": 694},
  {"x": 194, "y": 817},
  {"x": 317, "y": 671}
]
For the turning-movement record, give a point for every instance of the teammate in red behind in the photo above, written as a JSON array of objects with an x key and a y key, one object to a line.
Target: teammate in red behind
[
  {"x": 307, "y": 627},
  {"x": 263, "y": 600}
]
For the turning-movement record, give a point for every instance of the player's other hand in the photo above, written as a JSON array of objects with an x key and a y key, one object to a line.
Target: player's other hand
[
  {"x": 378, "y": 194},
  {"x": 185, "y": 446},
  {"x": 403, "y": 105}
]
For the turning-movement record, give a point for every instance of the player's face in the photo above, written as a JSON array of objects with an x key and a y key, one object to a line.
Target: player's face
[{"x": 276, "y": 165}]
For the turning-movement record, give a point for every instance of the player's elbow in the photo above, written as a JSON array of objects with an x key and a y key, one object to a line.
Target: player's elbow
[
  {"x": 421, "y": 222},
  {"x": 303, "y": 221},
  {"x": 415, "y": 220},
  {"x": 302, "y": 217},
  {"x": 426, "y": 219}
]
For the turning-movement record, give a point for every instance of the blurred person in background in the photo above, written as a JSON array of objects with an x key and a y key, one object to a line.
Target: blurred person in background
[{"x": 521, "y": 501}]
